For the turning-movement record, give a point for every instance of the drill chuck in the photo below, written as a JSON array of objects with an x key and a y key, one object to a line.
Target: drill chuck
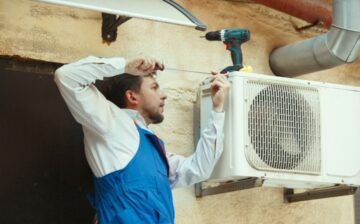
[{"x": 215, "y": 35}]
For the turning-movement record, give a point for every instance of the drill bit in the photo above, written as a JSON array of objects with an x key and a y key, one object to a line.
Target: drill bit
[{"x": 184, "y": 70}]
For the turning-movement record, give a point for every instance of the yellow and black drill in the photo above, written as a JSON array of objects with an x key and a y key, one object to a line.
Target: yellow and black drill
[{"x": 232, "y": 38}]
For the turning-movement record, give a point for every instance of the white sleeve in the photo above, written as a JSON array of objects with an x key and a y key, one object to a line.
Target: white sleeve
[
  {"x": 76, "y": 84},
  {"x": 198, "y": 167}
]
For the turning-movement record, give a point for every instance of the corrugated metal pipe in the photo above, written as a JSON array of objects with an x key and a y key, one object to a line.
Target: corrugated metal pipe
[{"x": 340, "y": 45}]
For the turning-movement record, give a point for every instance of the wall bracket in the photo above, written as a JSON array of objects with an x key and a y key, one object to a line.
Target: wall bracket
[
  {"x": 227, "y": 187},
  {"x": 109, "y": 26},
  {"x": 290, "y": 196}
]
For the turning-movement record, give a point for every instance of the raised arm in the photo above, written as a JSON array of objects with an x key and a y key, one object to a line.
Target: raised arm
[
  {"x": 89, "y": 107},
  {"x": 76, "y": 84},
  {"x": 186, "y": 171}
]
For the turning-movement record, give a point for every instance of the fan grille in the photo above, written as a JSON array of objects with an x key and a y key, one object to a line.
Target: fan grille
[{"x": 283, "y": 127}]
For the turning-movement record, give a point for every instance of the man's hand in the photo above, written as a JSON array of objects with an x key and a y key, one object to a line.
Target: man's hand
[
  {"x": 142, "y": 66},
  {"x": 219, "y": 90}
]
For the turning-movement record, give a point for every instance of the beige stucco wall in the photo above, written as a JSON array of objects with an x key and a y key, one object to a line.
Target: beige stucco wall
[{"x": 60, "y": 34}]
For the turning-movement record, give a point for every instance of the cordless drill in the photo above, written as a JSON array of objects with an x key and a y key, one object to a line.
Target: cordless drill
[{"x": 232, "y": 38}]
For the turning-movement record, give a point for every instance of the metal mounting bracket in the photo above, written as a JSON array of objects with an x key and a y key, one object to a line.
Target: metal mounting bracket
[
  {"x": 227, "y": 187},
  {"x": 290, "y": 196},
  {"x": 109, "y": 26}
]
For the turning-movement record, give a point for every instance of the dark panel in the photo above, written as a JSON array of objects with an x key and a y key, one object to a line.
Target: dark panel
[
  {"x": 357, "y": 206},
  {"x": 43, "y": 169}
]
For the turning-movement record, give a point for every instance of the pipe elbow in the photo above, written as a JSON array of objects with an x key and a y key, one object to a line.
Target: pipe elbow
[
  {"x": 343, "y": 43},
  {"x": 340, "y": 45}
]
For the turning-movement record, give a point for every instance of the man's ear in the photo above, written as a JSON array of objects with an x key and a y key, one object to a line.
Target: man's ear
[{"x": 131, "y": 98}]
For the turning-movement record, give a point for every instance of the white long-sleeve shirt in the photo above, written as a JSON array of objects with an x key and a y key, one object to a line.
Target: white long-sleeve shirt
[{"x": 111, "y": 138}]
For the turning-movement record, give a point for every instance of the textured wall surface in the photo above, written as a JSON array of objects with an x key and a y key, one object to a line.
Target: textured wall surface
[{"x": 60, "y": 34}]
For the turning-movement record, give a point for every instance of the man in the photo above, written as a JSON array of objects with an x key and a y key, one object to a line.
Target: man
[{"x": 133, "y": 174}]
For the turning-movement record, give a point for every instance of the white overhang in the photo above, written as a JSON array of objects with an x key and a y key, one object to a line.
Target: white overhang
[{"x": 167, "y": 11}]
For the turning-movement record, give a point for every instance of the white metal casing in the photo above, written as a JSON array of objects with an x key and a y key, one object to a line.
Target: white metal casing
[{"x": 334, "y": 136}]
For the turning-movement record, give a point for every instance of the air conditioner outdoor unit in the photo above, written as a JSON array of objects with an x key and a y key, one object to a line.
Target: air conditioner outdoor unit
[{"x": 288, "y": 132}]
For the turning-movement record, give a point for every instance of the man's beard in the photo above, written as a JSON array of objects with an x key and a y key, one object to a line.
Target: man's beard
[{"x": 156, "y": 118}]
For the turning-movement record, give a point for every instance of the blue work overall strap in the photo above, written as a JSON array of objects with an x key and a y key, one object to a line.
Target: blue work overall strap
[{"x": 140, "y": 192}]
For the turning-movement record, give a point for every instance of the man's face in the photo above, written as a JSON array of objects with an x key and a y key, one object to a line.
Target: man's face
[{"x": 151, "y": 100}]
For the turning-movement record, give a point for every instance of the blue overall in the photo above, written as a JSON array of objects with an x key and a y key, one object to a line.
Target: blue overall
[{"x": 140, "y": 192}]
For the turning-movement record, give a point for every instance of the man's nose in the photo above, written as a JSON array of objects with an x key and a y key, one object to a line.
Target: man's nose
[{"x": 163, "y": 95}]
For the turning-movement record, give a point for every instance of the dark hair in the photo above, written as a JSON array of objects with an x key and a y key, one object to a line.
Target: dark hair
[{"x": 114, "y": 88}]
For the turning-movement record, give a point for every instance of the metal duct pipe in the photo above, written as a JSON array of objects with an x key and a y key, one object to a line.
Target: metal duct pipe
[
  {"x": 341, "y": 44},
  {"x": 312, "y": 11}
]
